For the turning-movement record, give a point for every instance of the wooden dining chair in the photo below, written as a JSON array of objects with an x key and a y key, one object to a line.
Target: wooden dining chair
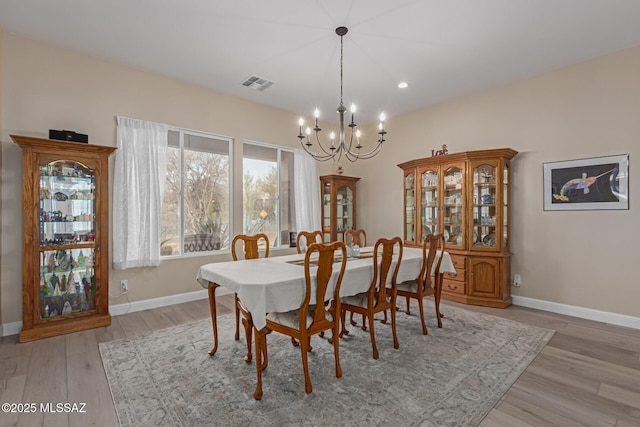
[
  {"x": 426, "y": 284},
  {"x": 314, "y": 316},
  {"x": 355, "y": 237},
  {"x": 378, "y": 298},
  {"x": 250, "y": 245},
  {"x": 306, "y": 238}
]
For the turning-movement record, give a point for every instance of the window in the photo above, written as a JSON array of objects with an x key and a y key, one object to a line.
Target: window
[
  {"x": 268, "y": 196},
  {"x": 196, "y": 209}
]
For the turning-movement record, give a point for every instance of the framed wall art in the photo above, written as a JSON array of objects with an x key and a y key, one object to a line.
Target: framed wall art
[{"x": 587, "y": 184}]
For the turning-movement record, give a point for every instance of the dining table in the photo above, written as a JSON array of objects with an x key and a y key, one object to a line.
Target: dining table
[{"x": 277, "y": 284}]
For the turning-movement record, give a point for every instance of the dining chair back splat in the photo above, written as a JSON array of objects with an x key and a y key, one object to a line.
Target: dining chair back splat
[
  {"x": 358, "y": 237},
  {"x": 306, "y": 238},
  {"x": 426, "y": 283},
  {"x": 250, "y": 249},
  {"x": 378, "y": 298},
  {"x": 314, "y": 315}
]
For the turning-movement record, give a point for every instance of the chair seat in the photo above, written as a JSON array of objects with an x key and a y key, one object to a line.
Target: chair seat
[
  {"x": 292, "y": 318},
  {"x": 359, "y": 300},
  {"x": 412, "y": 286}
]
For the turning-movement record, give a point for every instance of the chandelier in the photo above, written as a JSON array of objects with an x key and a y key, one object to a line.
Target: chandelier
[{"x": 349, "y": 150}]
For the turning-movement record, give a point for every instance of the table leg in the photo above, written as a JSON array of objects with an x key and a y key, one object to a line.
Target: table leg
[
  {"x": 214, "y": 318},
  {"x": 439, "y": 281},
  {"x": 260, "y": 360}
]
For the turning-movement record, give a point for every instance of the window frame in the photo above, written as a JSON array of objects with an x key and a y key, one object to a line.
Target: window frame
[
  {"x": 279, "y": 149},
  {"x": 230, "y": 141}
]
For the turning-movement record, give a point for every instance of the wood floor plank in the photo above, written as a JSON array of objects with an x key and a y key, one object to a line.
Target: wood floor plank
[
  {"x": 620, "y": 395},
  {"x": 46, "y": 381},
  {"x": 86, "y": 368},
  {"x": 576, "y": 405},
  {"x": 532, "y": 414},
  {"x": 12, "y": 392}
]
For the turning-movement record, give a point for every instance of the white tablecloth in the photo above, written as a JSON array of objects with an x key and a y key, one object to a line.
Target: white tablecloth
[{"x": 275, "y": 285}]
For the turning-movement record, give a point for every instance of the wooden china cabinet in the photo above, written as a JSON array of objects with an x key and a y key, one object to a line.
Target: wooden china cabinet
[
  {"x": 338, "y": 206},
  {"x": 465, "y": 196},
  {"x": 65, "y": 249}
]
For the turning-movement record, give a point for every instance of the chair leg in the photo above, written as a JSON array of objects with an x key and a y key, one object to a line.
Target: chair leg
[
  {"x": 304, "y": 342},
  {"x": 336, "y": 351},
  {"x": 373, "y": 337},
  {"x": 436, "y": 298},
  {"x": 236, "y": 301},
  {"x": 343, "y": 319},
  {"x": 353, "y": 322},
  {"x": 248, "y": 330},
  {"x": 408, "y": 311},
  {"x": 424, "y": 325},
  {"x": 396, "y": 344}
]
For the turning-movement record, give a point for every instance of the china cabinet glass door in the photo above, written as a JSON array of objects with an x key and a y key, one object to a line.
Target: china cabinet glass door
[
  {"x": 345, "y": 211},
  {"x": 326, "y": 212},
  {"x": 67, "y": 238},
  {"x": 409, "y": 207},
  {"x": 484, "y": 206},
  {"x": 453, "y": 218},
  {"x": 428, "y": 202},
  {"x": 505, "y": 208}
]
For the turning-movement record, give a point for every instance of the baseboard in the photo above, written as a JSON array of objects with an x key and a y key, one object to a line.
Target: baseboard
[
  {"x": 12, "y": 328},
  {"x": 553, "y": 307},
  {"x": 583, "y": 313},
  {"x": 119, "y": 309}
]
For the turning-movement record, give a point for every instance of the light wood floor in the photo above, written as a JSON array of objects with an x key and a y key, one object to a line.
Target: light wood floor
[{"x": 588, "y": 374}]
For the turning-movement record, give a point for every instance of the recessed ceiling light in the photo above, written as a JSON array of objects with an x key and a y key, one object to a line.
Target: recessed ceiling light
[{"x": 403, "y": 85}]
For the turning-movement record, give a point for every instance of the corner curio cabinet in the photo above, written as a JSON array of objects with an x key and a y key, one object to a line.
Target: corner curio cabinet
[
  {"x": 65, "y": 236},
  {"x": 338, "y": 206},
  {"x": 466, "y": 197}
]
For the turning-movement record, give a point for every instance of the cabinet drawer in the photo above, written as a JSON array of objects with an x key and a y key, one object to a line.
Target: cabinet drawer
[
  {"x": 458, "y": 276},
  {"x": 458, "y": 261},
  {"x": 453, "y": 286}
]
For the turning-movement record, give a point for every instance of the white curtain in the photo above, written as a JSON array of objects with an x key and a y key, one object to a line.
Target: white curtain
[
  {"x": 307, "y": 192},
  {"x": 138, "y": 187}
]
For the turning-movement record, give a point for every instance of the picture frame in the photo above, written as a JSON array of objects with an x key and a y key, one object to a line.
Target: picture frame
[
  {"x": 293, "y": 239},
  {"x": 587, "y": 184}
]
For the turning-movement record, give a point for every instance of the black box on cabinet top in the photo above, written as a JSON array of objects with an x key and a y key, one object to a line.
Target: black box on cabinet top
[{"x": 68, "y": 135}]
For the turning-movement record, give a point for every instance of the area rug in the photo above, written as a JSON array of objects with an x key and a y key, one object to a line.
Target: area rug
[{"x": 452, "y": 377}]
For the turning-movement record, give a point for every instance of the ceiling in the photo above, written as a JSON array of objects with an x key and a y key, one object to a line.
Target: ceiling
[{"x": 442, "y": 48}]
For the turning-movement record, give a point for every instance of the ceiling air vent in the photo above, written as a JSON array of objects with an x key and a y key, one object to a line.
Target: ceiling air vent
[{"x": 257, "y": 83}]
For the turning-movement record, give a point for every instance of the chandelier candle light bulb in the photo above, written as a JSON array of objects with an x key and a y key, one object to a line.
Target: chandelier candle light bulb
[{"x": 335, "y": 152}]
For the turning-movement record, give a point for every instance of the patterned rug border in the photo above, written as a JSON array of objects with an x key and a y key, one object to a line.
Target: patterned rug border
[{"x": 147, "y": 389}]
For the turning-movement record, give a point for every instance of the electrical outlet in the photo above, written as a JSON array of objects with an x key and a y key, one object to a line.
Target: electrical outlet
[
  {"x": 517, "y": 280},
  {"x": 124, "y": 286}
]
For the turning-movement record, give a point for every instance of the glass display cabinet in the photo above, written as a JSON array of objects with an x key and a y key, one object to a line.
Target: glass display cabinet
[
  {"x": 464, "y": 196},
  {"x": 338, "y": 206},
  {"x": 65, "y": 237}
]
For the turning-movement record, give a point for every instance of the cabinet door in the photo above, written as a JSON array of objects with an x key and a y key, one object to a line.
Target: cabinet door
[
  {"x": 67, "y": 234},
  {"x": 344, "y": 211},
  {"x": 485, "y": 277},
  {"x": 486, "y": 211},
  {"x": 409, "y": 207},
  {"x": 429, "y": 202},
  {"x": 453, "y": 203},
  {"x": 326, "y": 211}
]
